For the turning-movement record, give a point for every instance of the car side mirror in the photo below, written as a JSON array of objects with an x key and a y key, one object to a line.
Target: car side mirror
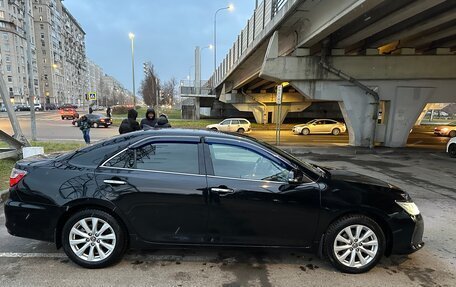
[{"x": 295, "y": 176}]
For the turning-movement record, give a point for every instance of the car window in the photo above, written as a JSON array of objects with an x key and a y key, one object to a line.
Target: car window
[
  {"x": 170, "y": 157},
  {"x": 237, "y": 162},
  {"x": 225, "y": 122},
  {"x": 320, "y": 122},
  {"x": 235, "y": 122},
  {"x": 244, "y": 122},
  {"x": 330, "y": 122}
]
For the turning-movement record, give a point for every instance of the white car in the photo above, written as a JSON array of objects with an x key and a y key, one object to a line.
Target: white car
[
  {"x": 320, "y": 126},
  {"x": 231, "y": 125},
  {"x": 451, "y": 147}
]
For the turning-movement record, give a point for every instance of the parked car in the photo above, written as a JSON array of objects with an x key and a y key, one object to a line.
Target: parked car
[
  {"x": 22, "y": 108},
  {"x": 96, "y": 120},
  {"x": 180, "y": 187},
  {"x": 231, "y": 125},
  {"x": 69, "y": 114},
  {"x": 50, "y": 107},
  {"x": 320, "y": 126},
  {"x": 3, "y": 109},
  {"x": 448, "y": 130},
  {"x": 451, "y": 147},
  {"x": 39, "y": 107}
]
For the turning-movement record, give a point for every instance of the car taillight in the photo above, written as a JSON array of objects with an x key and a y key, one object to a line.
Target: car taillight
[
  {"x": 16, "y": 176},
  {"x": 102, "y": 120}
]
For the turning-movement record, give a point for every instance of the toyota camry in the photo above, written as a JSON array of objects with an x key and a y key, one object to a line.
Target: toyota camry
[{"x": 203, "y": 188}]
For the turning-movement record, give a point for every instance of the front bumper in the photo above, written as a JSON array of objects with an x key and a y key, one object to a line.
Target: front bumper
[
  {"x": 30, "y": 220},
  {"x": 408, "y": 235}
]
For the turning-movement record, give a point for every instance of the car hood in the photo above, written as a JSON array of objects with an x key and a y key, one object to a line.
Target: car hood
[{"x": 348, "y": 176}]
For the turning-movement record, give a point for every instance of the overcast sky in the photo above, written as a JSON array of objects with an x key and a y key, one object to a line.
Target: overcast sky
[{"x": 167, "y": 32}]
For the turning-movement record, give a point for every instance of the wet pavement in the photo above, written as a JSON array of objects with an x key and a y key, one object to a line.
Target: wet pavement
[{"x": 429, "y": 177}]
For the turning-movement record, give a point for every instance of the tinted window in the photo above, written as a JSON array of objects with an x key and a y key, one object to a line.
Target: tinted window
[
  {"x": 320, "y": 123},
  {"x": 238, "y": 162},
  {"x": 235, "y": 122},
  {"x": 171, "y": 157},
  {"x": 225, "y": 122},
  {"x": 244, "y": 122}
]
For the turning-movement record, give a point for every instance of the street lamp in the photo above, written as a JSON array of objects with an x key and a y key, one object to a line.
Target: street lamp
[
  {"x": 132, "y": 38},
  {"x": 229, "y": 8}
]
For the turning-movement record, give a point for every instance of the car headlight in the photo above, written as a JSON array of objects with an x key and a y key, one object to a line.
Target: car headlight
[{"x": 409, "y": 207}]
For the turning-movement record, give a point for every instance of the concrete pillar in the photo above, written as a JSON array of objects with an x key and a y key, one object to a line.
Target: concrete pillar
[
  {"x": 406, "y": 106},
  {"x": 357, "y": 109}
]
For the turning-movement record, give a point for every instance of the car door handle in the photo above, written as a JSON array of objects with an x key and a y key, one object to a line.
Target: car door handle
[
  {"x": 114, "y": 182},
  {"x": 222, "y": 190}
]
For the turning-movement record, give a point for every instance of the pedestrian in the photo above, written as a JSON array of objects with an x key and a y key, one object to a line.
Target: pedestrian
[
  {"x": 90, "y": 110},
  {"x": 84, "y": 126},
  {"x": 149, "y": 121},
  {"x": 129, "y": 124},
  {"x": 162, "y": 122},
  {"x": 108, "y": 112}
]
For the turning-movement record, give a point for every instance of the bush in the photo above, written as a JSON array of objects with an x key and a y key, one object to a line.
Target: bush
[{"x": 120, "y": 110}]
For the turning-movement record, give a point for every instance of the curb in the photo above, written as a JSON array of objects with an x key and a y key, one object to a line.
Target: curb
[{"x": 4, "y": 194}]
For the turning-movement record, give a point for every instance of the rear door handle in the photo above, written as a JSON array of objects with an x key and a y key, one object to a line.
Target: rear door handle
[{"x": 114, "y": 182}]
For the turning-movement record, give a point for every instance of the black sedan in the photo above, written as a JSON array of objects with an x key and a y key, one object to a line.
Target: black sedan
[
  {"x": 202, "y": 188},
  {"x": 96, "y": 121}
]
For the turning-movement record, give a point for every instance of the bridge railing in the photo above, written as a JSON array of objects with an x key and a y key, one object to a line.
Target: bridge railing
[{"x": 263, "y": 14}]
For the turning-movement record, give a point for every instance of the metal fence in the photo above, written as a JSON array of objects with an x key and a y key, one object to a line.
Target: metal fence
[{"x": 265, "y": 11}]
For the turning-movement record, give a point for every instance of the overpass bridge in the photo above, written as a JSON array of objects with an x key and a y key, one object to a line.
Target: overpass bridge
[{"x": 383, "y": 61}]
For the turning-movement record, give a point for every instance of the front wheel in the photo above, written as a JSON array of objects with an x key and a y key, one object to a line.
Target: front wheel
[
  {"x": 305, "y": 131},
  {"x": 452, "y": 150},
  {"x": 336, "y": 131},
  {"x": 452, "y": 134},
  {"x": 93, "y": 239},
  {"x": 214, "y": 129},
  {"x": 241, "y": 130},
  {"x": 354, "y": 244}
]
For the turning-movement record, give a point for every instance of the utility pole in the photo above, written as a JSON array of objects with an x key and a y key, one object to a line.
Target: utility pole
[{"x": 31, "y": 88}]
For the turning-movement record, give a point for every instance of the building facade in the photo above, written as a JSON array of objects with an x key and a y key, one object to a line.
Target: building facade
[{"x": 13, "y": 50}]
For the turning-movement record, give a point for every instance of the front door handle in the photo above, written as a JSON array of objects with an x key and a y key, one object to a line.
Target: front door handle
[
  {"x": 114, "y": 182},
  {"x": 222, "y": 191}
]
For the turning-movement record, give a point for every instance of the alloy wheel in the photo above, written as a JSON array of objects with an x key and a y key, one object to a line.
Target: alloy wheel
[
  {"x": 92, "y": 239},
  {"x": 356, "y": 246}
]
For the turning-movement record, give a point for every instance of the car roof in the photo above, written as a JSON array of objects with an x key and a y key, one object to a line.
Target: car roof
[
  {"x": 193, "y": 132},
  {"x": 236, "y": 119}
]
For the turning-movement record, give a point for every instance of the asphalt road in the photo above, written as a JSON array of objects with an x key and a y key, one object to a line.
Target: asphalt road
[
  {"x": 51, "y": 127},
  {"x": 429, "y": 177}
]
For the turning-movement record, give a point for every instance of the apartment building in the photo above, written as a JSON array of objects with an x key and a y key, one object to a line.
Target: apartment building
[{"x": 13, "y": 50}]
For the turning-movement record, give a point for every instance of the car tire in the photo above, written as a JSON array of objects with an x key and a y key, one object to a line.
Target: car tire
[
  {"x": 336, "y": 132},
  {"x": 214, "y": 129},
  {"x": 452, "y": 134},
  {"x": 63, "y": 118},
  {"x": 347, "y": 257},
  {"x": 452, "y": 150},
  {"x": 95, "y": 125},
  {"x": 111, "y": 242},
  {"x": 241, "y": 131},
  {"x": 305, "y": 131}
]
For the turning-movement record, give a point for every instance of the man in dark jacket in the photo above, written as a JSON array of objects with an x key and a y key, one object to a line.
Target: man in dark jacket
[
  {"x": 129, "y": 124},
  {"x": 108, "y": 112},
  {"x": 149, "y": 121},
  {"x": 162, "y": 122},
  {"x": 84, "y": 126}
]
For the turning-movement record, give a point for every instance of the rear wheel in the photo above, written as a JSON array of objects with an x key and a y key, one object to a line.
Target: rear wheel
[
  {"x": 95, "y": 125},
  {"x": 241, "y": 130},
  {"x": 214, "y": 129},
  {"x": 336, "y": 131},
  {"x": 63, "y": 117},
  {"x": 305, "y": 131},
  {"x": 354, "y": 244},
  {"x": 452, "y": 150},
  {"x": 452, "y": 134},
  {"x": 93, "y": 239}
]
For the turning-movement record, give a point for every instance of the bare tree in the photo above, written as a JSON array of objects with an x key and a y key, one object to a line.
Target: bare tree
[
  {"x": 150, "y": 85},
  {"x": 169, "y": 92}
]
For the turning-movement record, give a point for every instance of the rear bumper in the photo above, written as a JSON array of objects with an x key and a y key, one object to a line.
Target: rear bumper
[
  {"x": 409, "y": 237},
  {"x": 31, "y": 220}
]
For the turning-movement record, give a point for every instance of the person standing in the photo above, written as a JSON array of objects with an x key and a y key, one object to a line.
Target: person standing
[
  {"x": 108, "y": 112},
  {"x": 84, "y": 126},
  {"x": 129, "y": 124},
  {"x": 162, "y": 122},
  {"x": 90, "y": 110},
  {"x": 150, "y": 120}
]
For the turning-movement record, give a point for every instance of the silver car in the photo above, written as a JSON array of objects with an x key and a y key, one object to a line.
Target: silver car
[{"x": 320, "y": 126}]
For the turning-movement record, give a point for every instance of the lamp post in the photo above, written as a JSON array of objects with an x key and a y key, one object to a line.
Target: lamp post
[
  {"x": 229, "y": 8},
  {"x": 132, "y": 38}
]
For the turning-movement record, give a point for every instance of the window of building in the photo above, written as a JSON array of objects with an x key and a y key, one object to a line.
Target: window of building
[
  {"x": 10, "y": 79},
  {"x": 1, "y": 3},
  {"x": 40, "y": 9},
  {"x": 2, "y": 25},
  {"x": 8, "y": 58},
  {"x": 6, "y": 48},
  {"x": 169, "y": 157},
  {"x": 42, "y": 26},
  {"x": 2, "y": 15},
  {"x": 8, "y": 68},
  {"x": 237, "y": 162},
  {"x": 42, "y": 35},
  {"x": 5, "y": 36}
]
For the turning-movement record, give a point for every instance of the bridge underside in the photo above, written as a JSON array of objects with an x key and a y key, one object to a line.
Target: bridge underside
[{"x": 382, "y": 61}]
